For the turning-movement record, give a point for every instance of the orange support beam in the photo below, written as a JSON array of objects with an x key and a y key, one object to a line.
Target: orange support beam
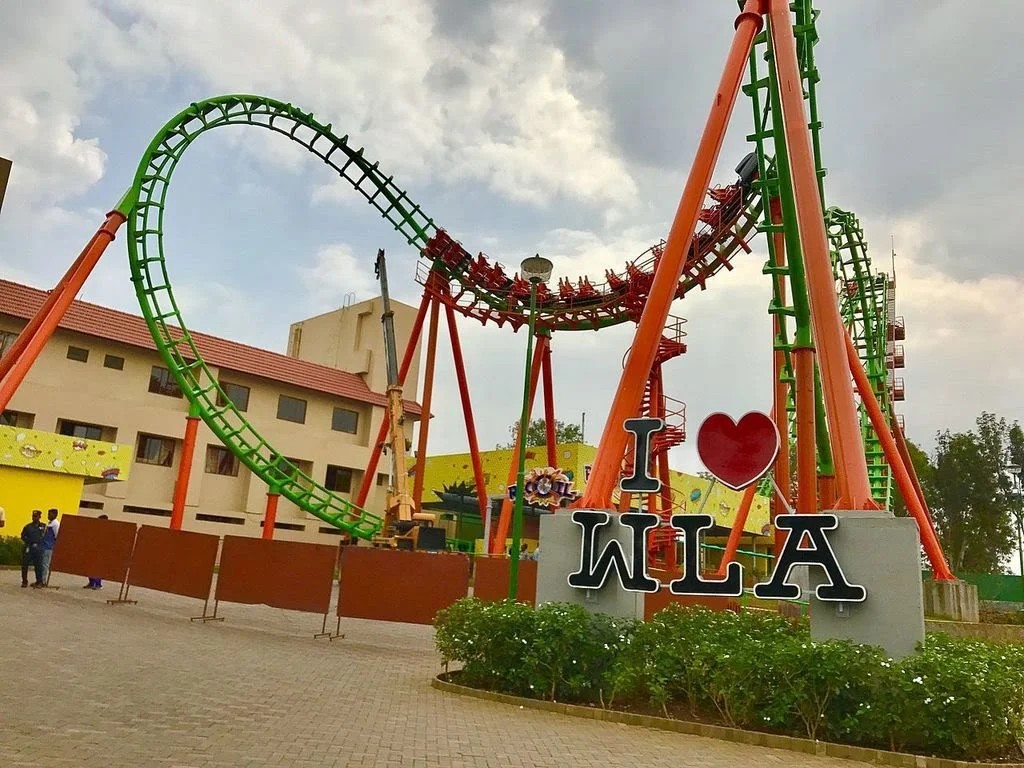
[
  {"x": 908, "y": 462},
  {"x": 929, "y": 539},
  {"x": 30, "y": 342},
  {"x": 848, "y": 448},
  {"x": 414, "y": 338},
  {"x": 428, "y": 393},
  {"x": 497, "y": 544},
  {"x": 736, "y": 533},
  {"x": 270, "y": 516},
  {"x": 188, "y": 447},
  {"x": 626, "y": 404},
  {"x": 467, "y": 412}
]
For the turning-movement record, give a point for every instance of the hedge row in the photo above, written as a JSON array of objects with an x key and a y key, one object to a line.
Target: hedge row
[
  {"x": 954, "y": 698},
  {"x": 10, "y": 550}
]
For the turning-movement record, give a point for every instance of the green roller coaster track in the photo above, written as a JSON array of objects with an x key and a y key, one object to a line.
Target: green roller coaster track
[{"x": 144, "y": 207}]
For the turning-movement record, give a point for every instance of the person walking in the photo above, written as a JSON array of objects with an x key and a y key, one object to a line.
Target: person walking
[
  {"x": 32, "y": 537},
  {"x": 49, "y": 540}
]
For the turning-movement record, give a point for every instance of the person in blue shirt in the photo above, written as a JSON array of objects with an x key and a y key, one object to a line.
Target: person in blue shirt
[
  {"x": 49, "y": 540},
  {"x": 32, "y": 537}
]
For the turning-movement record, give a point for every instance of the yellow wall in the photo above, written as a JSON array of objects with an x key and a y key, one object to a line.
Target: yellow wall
[
  {"x": 574, "y": 457},
  {"x": 22, "y": 490}
]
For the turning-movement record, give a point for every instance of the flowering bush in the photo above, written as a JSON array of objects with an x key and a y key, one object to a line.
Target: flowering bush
[{"x": 954, "y": 698}]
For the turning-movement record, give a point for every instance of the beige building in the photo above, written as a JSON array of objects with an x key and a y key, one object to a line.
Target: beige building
[{"x": 100, "y": 378}]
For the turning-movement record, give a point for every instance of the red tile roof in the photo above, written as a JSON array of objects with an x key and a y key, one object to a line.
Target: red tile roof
[{"x": 22, "y": 301}]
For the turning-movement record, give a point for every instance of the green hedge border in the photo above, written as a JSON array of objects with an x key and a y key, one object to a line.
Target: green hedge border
[{"x": 720, "y": 732}]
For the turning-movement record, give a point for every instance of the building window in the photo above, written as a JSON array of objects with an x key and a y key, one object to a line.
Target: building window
[
  {"x": 147, "y": 511},
  {"x": 155, "y": 450},
  {"x": 223, "y": 519},
  {"x": 286, "y": 526},
  {"x": 113, "y": 361},
  {"x": 382, "y": 479},
  {"x": 80, "y": 429},
  {"x": 221, "y": 461},
  {"x": 17, "y": 419},
  {"x": 161, "y": 382},
  {"x": 345, "y": 420},
  {"x": 291, "y": 409},
  {"x": 90, "y": 505},
  {"x": 338, "y": 479},
  {"x": 236, "y": 393},
  {"x": 78, "y": 354},
  {"x": 7, "y": 340}
]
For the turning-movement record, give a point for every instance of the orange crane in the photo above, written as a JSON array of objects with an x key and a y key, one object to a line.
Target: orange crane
[{"x": 402, "y": 523}]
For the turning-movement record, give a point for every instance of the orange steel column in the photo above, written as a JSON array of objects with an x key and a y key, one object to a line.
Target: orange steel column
[
  {"x": 929, "y": 539},
  {"x": 827, "y": 491},
  {"x": 33, "y": 338},
  {"x": 908, "y": 462},
  {"x": 51, "y": 298},
  {"x": 467, "y": 411},
  {"x": 403, "y": 371},
  {"x": 848, "y": 449},
  {"x": 497, "y": 544},
  {"x": 188, "y": 447},
  {"x": 737, "y": 528},
  {"x": 549, "y": 408},
  {"x": 806, "y": 449},
  {"x": 428, "y": 392},
  {"x": 780, "y": 412},
  {"x": 270, "y": 516},
  {"x": 612, "y": 447}
]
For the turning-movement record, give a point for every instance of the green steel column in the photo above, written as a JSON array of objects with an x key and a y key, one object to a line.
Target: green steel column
[{"x": 524, "y": 424}]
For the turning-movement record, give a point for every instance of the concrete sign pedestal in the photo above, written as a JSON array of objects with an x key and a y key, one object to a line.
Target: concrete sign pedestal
[
  {"x": 560, "y": 556},
  {"x": 881, "y": 553}
]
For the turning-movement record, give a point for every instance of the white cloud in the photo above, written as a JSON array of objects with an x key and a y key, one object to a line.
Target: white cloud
[
  {"x": 337, "y": 277},
  {"x": 502, "y": 112}
]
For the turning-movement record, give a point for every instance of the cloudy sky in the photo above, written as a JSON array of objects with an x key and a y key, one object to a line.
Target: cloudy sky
[{"x": 560, "y": 126}]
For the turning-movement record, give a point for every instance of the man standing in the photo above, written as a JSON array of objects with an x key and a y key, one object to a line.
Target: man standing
[
  {"x": 49, "y": 540},
  {"x": 32, "y": 537}
]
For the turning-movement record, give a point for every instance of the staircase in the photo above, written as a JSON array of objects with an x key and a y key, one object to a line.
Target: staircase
[{"x": 657, "y": 404}]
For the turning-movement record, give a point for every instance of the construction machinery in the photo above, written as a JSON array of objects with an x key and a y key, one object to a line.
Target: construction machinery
[{"x": 404, "y": 527}]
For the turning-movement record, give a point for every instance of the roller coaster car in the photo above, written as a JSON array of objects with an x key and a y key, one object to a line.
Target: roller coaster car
[{"x": 748, "y": 171}]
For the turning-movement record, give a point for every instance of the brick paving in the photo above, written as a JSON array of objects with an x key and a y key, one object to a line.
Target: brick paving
[{"x": 91, "y": 685}]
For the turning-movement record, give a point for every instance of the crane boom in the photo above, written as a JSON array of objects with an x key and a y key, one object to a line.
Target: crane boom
[{"x": 399, "y": 502}]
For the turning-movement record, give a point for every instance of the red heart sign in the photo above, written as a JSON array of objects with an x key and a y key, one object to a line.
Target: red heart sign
[{"x": 737, "y": 454}]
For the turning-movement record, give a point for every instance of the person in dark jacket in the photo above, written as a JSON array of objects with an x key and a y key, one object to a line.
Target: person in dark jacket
[{"x": 32, "y": 536}]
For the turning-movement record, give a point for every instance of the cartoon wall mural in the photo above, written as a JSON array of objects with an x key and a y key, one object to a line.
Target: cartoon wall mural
[{"x": 94, "y": 460}]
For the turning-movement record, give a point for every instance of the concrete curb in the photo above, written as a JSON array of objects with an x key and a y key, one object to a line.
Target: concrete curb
[{"x": 722, "y": 732}]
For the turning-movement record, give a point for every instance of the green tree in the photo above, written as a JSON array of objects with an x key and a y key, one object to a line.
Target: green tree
[
  {"x": 536, "y": 433},
  {"x": 971, "y": 496}
]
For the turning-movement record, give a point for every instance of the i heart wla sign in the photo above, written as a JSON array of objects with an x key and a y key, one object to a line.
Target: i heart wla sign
[{"x": 738, "y": 453}]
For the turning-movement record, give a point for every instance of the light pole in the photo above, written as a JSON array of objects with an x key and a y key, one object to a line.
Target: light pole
[
  {"x": 1018, "y": 492},
  {"x": 536, "y": 270}
]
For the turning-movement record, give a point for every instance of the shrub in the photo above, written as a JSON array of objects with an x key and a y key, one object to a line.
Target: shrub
[
  {"x": 558, "y": 651},
  {"x": 954, "y": 698},
  {"x": 11, "y": 548}
]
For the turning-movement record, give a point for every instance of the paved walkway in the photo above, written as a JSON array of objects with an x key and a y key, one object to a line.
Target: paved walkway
[{"x": 86, "y": 684}]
